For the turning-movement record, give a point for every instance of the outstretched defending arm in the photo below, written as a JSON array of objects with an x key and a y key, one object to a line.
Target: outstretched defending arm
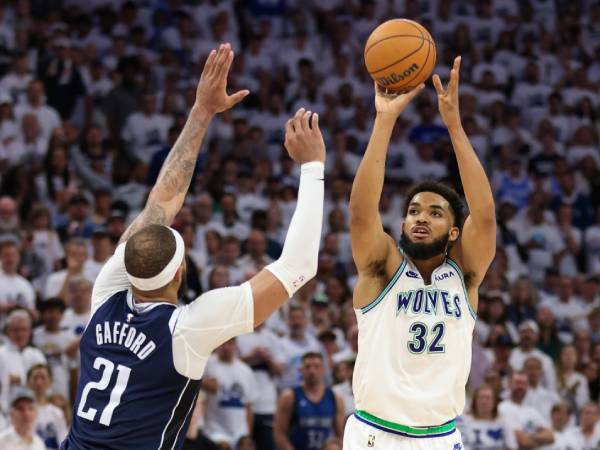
[
  {"x": 370, "y": 244},
  {"x": 168, "y": 194},
  {"x": 477, "y": 246},
  {"x": 298, "y": 261}
]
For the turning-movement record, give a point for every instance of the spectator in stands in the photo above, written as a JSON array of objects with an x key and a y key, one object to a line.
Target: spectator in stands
[
  {"x": 23, "y": 415},
  {"x": 310, "y": 413},
  {"x": 50, "y": 425},
  {"x": 15, "y": 290},
  {"x": 572, "y": 385},
  {"x": 588, "y": 431},
  {"x": 297, "y": 343},
  {"x": 538, "y": 397},
  {"x": 76, "y": 257},
  {"x": 9, "y": 219},
  {"x": 229, "y": 411},
  {"x": 527, "y": 428},
  {"x": 34, "y": 103},
  {"x": 261, "y": 351},
  {"x": 482, "y": 427},
  {"x": 59, "y": 345},
  {"x": 529, "y": 335},
  {"x": 77, "y": 315},
  {"x": 565, "y": 436},
  {"x": 17, "y": 356}
]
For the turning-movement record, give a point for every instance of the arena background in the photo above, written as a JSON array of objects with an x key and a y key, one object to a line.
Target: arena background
[{"x": 93, "y": 93}]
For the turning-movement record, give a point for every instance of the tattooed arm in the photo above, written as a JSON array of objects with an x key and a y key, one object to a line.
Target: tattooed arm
[{"x": 168, "y": 194}]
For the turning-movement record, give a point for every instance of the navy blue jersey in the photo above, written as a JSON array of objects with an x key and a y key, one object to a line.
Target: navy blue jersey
[
  {"x": 312, "y": 423},
  {"x": 130, "y": 395}
]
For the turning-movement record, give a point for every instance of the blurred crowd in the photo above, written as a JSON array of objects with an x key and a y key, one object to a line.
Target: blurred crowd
[{"x": 92, "y": 96}]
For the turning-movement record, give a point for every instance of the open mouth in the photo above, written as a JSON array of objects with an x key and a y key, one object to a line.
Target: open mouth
[{"x": 420, "y": 232}]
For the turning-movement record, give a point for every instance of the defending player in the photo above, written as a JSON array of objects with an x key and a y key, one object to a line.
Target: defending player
[
  {"x": 142, "y": 356},
  {"x": 416, "y": 304}
]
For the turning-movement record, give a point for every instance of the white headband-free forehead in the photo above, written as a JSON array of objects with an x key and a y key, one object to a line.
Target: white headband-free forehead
[{"x": 165, "y": 275}]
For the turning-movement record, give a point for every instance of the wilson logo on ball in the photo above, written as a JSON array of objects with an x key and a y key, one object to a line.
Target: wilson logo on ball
[{"x": 394, "y": 78}]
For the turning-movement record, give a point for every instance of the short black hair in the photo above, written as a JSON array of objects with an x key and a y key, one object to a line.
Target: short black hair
[
  {"x": 149, "y": 251},
  {"x": 449, "y": 194},
  {"x": 310, "y": 355}
]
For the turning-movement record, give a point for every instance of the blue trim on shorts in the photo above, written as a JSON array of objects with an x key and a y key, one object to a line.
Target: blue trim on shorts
[{"x": 399, "y": 433}]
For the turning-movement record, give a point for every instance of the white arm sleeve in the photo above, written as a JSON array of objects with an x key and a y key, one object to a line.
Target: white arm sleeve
[
  {"x": 299, "y": 257},
  {"x": 207, "y": 322},
  {"x": 111, "y": 279}
]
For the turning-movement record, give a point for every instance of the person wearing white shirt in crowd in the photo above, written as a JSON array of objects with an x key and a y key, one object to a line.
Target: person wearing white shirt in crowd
[
  {"x": 567, "y": 308},
  {"x": 261, "y": 351},
  {"x": 58, "y": 344},
  {"x": 592, "y": 245},
  {"x": 482, "y": 428},
  {"x": 538, "y": 397},
  {"x": 295, "y": 345},
  {"x": 529, "y": 335},
  {"x": 76, "y": 255},
  {"x": 572, "y": 236},
  {"x": 51, "y": 425},
  {"x": 229, "y": 411},
  {"x": 16, "y": 355},
  {"x": 77, "y": 314},
  {"x": 29, "y": 146},
  {"x": 23, "y": 416},
  {"x": 565, "y": 436},
  {"x": 228, "y": 222},
  {"x": 527, "y": 428},
  {"x": 256, "y": 257},
  {"x": 15, "y": 291},
  {"x": 248, "y": 200},
  {"x": 588, "y": 430},
  {"x": 15, "y": 82},
  {"x": 102, "y": 249},
  {"x": 542, "y": 238},
  {"x": 572, "y": 385},
  {"x": 46, "y": 115},
  {"x": 343, "y": 372},
  {"x": 146, "y": 131}
]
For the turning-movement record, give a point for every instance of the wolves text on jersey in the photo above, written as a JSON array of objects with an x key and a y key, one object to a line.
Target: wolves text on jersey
[
  {"x": 124, "y": 334},
  {"x": 429, "y": 301}
]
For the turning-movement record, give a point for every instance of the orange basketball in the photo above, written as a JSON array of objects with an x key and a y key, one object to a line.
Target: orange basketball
[{"x": 400, "y": 54}]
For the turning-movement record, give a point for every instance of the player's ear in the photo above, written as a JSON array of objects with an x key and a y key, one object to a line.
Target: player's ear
[{"x": 453, "y": 234}]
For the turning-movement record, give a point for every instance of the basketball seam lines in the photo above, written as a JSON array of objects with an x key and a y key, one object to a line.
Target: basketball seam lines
[
  {"x": 401, "y": 59},
  {"x": 421, "y": 69},
  {"x": 396, "y": 36}
]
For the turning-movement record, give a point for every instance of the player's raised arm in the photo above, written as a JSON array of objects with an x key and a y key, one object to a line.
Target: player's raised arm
[
  {"x": 477, "y": 246},
  {"x": 298, "y": 261},
  {"x": 370, "y": 244},
  {"x": 168, "y": 193}
]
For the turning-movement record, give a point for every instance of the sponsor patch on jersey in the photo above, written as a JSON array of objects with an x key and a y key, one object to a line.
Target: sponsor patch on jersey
[
  {"x": 412, "y": 274},
  {"x": 444, "y": 276}
]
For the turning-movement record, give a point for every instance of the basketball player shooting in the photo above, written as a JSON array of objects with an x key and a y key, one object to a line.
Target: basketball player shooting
[
  {"x": 142, "y": 356},
  {"x": 416, "y": 304}
]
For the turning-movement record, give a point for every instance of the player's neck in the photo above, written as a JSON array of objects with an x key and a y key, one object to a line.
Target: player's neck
[
  {"x": 166, "y": 295},
  {"x": 427, "y": 266},
  {"x": 314, "y": 389}
]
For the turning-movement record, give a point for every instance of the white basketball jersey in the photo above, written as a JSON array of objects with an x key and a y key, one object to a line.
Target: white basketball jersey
[{"x": 414, "y": 348}]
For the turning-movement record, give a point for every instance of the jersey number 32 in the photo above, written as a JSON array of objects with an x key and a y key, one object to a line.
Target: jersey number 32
[{"x": 423, "y": 338}]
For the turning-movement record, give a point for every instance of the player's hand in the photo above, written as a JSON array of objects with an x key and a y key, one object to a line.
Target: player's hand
[
  {"x": 448, "y": 98},
  {"x": 303, "y": 138},
  {"x": 211, "y": 93},
  {"x": 392, "y": 105}
]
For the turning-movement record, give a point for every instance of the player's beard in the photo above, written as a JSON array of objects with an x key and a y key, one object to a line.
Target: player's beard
[{"x": 423, "y": 250}]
